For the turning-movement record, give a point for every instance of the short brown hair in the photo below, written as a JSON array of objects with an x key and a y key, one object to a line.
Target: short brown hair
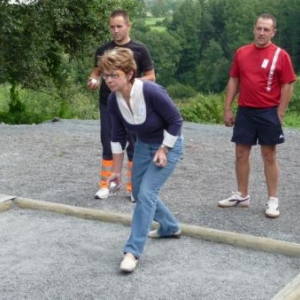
[
  {"x": 267, "y": 16},
  {"x": 120, "y": 13},
  {"x": 120, "y": 58}
]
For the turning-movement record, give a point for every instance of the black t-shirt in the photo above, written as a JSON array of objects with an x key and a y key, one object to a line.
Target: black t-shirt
[{"x": 141, "y": 56}]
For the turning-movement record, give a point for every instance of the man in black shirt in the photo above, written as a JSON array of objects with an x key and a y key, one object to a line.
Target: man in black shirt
[{"x": 119, "y": 28}]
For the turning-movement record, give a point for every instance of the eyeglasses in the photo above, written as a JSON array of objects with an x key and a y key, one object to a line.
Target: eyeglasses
[{"x": 114, "y": 75}]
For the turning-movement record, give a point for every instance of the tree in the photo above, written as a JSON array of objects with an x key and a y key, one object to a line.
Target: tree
[
  {"x": 162, "y": 8},
  {"x": 212, "y": 72},
  {"x": 39, "y": 40},
  {"x": 165, "y": 52},
  {"x": 288, "y": 29},
  {"x": 185, "y": 28}
]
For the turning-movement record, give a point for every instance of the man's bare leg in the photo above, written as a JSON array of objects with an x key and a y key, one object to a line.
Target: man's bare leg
[{"x": 242, "y": 167}]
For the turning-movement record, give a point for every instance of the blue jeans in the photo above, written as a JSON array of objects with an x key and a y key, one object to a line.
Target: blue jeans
[
  {"x": 147, "y": 181},
  {"x": 105, "y": 135}
]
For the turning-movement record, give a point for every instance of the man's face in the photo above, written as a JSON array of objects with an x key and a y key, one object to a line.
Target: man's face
[
  {"x": 263, "y": 32},
  {"x": 119, "y": 30}
]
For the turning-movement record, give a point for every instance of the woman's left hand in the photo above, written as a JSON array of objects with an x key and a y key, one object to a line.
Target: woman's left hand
[
  {"x": 160, "y": 157},
  {"x": 114, "y": 181}
]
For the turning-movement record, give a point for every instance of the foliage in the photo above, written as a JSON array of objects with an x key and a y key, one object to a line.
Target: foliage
[
  {"x": 203, "y": 109},
  {"x": 294, "y": 105},
  {"x": 40, "y": 42},
  {"x": 159, "y": 8},
  {"x": 47, "y": 49},
  {"x": 61, "y": 27},
  {"x": 185, "y": 27},
  {"x": 220, "y": 27},
  {"x": 288, "y": 34},
  {"x": 37, "y": 107},
  {"x": 181, "y": 92},
  {"x": 212, "y": 72},
  {"x": 162, "y": 46},
  {"x": 292, "y": 119},
  {"x": 41, "y": 107},
  {"x": 151, "y": 21}
]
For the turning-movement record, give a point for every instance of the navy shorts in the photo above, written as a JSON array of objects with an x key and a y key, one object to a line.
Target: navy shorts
[{"x": 254, "y": 125}]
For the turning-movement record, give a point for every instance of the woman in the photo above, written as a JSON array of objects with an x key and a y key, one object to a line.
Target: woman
[{"x": 144, "y": 108}]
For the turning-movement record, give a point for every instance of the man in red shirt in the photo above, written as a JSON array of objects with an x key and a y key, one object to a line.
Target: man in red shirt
[{"x": 262, "y": 74}]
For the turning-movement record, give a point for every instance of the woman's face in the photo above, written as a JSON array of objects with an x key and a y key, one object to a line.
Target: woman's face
[{"x": 116, "y": 80}]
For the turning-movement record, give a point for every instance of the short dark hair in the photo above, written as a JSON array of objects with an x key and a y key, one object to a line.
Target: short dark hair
[
  {"x": 267, "y": 16},
  {"x": 120, "y": 13}
]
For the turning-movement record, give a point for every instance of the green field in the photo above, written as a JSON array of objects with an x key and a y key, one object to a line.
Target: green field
[{"x": 152, "y": 22}]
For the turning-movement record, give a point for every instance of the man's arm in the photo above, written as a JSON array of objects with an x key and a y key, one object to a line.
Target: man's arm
[
  {"x": 231, "y": 92},
  {"x": 149, "y": 75},
  {"x": 93, "y": 81},
  {"x": 286, "y": 95}
]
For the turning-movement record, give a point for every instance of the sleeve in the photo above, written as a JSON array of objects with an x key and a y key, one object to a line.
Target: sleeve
[
  {"x": 146, "y": 61},
  {"x": 118, "y": 131},
  {"x": 167, "y": 110},
  {"x": 234, "y": 70},
  {"x": 287, "y": 74},
  {"x": 97, "y": 54},
  {"x": 100, "y": 51}
]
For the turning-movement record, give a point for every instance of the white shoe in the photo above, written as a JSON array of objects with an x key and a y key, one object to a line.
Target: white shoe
[
  {"x": 235, "y": 200},
  {"x": 155, "y": 235},
  {"x": 129, "y": 263},
  {"x": 103, "y": 193},
  {"x": 132, "y": 198},
  {"x": 272, "y": 210}
]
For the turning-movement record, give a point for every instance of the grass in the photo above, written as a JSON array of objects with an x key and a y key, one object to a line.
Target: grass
[
  {"x": 292, "y": 120},
  {"x": 158, "y": 28},
  {"x": 44, "y": 106},
  {"x": 4, "y": 97},
  {"x": 152, "y": 22}
]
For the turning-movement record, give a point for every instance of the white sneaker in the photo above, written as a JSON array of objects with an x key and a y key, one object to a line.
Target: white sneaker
[
  {"x": 272, "y": 210},
  {"x": 132, "y": 198},
  {"x": 103, "y": 193},
  {"x": 235, "y": 200},
  {"x": 129, "y": 263},
  {"x": 155, "y": 235}
]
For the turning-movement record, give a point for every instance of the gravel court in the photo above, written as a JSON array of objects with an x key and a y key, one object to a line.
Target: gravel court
[
  {"x": 50, "y": 256},
  {"x": 59, "y": 162}
]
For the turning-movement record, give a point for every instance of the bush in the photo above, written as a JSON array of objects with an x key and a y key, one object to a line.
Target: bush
[
  {"x": 36, "y": 107},
  {"x": 204, "y": 109},
  {"x": 181, "y": 92},
  {"x": 295, "y": 103}
]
